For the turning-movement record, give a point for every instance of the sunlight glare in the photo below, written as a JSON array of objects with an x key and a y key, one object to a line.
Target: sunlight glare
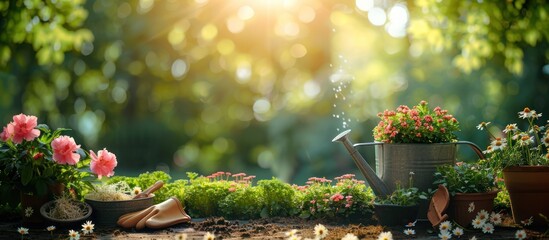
[
  {"x": 306, "y": 14},
  {"x": 377, "y": 16},
  {"x": 243, "y": 74},
  {"x": 246, "y": 12},
  {"x": 235, "y": 24},
  {"x": 364, "y": 5}
]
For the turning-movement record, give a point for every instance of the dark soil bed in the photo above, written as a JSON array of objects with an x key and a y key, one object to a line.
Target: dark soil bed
[{"x": 272, "y": 228}]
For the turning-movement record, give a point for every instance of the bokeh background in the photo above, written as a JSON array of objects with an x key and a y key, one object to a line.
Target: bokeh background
[{"x": 262, "y": 86}]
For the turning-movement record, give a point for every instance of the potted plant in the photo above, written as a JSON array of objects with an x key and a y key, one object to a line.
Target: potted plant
[
  {"x": 523, "y": 158},
  {"x": 38, "y": 161},
  {"x": 401, "y": 206},
  {"x": 472, "y": 188}
]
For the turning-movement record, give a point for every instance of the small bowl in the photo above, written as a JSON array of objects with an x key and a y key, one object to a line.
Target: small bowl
[
  {"x": 106, "y": 213},
  {"x": 66, "y": 222}
]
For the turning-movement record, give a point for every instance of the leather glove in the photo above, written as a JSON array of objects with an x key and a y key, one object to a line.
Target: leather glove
[{"x": 162, "y": 215}]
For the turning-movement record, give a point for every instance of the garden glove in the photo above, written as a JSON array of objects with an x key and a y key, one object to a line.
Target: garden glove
[{"x": 162, "y": 215}]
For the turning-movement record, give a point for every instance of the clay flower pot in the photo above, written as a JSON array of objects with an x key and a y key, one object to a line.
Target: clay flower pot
[
  {"x": 465, "y": 206},
  {"x": 87, "y": 210},
  {"x": 106, "y": 213},
  {"x": 528, "y": 188}
]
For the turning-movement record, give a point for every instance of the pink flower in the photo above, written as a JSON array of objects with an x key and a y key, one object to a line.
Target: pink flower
[
  {"x": 336, "y": 197},
  {"x": 64, "y": 149},
  {"x": 21, "y": 128},
  {"x": 5, "y": 135},
  {"x": 103, "y": 163}
]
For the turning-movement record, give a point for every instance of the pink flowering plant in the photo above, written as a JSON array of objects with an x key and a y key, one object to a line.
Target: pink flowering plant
[
  {"x": 349, "y": 197},
  {"x": 418, "y": 124},
  {"x": 33, "y": 157},
  {"x": 515, "y": 147}
]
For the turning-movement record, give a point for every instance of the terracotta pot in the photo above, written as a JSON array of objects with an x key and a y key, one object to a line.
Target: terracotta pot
[
  {"x": 393, "y": 215},
  {"x": 30, "y": 208},
  {"x": 460, "y": 203},
  {"x": 528, "y": 188}
]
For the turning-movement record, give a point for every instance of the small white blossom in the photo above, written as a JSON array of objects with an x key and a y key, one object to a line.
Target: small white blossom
[
  {"x": 350, "y": 236},
  {"x": 209, "y": 236},
  {"x": 409, "y": 232},
  {"x": 74, "y": 235},
  {"x": 23, "y": 230},
  {"x": 458, "y": 232},
  {"x": 520, "y": 234},
  {"x": 478, "y": 223},
  {"x": 50, "y": 228},
  {"x": 488, "y": 228},
  {"x": 385, "y": 236},
  {"x": 527, "y": 222},
  {"x": 29, "y": 211},
  {"x": 321, "y": 231},
  {"x": 445, "y": 226},
  {"x": 291, "y": 233},
  {"x": 87, "y": 227},
  {"x": 411, "y": 224},
  {"x": 445, "y": 235},
  {"x": 495, "y": 218},
  {"x": 181, "y": 236},
  {"x": 471, "y": 207}
]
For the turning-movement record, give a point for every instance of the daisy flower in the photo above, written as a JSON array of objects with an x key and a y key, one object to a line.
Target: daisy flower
[
  {"x": 526, "y": 113},
  {"x": 409, "y": 232},
  {"x": 483, "y": 215},
  {"x": 181, "y": 236},
  {"x": 495, "y": 218},
  {"x": 458, "y": 232},
  {"x": 294, "y": 237},
  {"x": 473, "y": 238},
  {"x": 23, "y": 231},
  {"x": 471, "y": 207},
  {"x": 350, "y": 236},
  {"x": 385, "y": 236},
  {"x": 478, "y": 223},
  {"x": 74, "y": 235},
  {"x": 488, "y": 228},
  {"x": 520, "y": 234},
  {"x": 209, "y": 236},
  {"x": 320, "y": 231},
  {"x": 29, "y": 211},
  {"x": 510, "y": 128},
  {"x": 482, "y": 125},
  {"x": 527, "y": 222},
  {"x": 291, "y": 233},
  {"x": 87, "y": 227},
  {"x": 50, "y": 228},
  {"x": 445, "y": 226},
  {"x": 136, "y": 190},
  {"x": 445, "y": 235},
  {"x": 411, "y": 224}
]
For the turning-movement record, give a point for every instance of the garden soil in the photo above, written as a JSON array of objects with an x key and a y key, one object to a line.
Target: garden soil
[{"x": 271, "y": 228}]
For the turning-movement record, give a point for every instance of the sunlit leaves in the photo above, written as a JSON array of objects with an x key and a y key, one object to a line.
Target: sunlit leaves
[{"x": 481, "y": 29}]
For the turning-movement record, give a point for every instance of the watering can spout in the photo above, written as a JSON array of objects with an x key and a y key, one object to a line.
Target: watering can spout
[{"x": 377, "y": 185}]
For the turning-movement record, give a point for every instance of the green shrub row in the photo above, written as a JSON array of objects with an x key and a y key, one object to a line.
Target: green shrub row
[{"x": 234, "y": 196}]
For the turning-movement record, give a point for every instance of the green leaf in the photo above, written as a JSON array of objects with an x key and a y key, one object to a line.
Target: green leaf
[
  {"x": 41, "y": 187},
  {"x": 264, "y": 213},
  {"x": 26, "y": 175}
]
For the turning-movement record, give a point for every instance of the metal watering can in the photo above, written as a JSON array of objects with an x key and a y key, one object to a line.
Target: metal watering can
[{"x": 394, "y": 162}]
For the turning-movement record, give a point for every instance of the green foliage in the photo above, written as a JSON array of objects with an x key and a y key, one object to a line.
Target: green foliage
[
  {"x": 404, "y": 196},
  {"x": 243, "y": 203},
  {"x": 50, "y": 27},
  {"x": 202, "y": 197},
  {"x": 466, "y": 177},
  {"x": 481, "y": 30},
  {"x": 280, "y": 199}
]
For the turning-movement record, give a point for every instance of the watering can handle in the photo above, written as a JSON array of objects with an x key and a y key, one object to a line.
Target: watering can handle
[
  {"x": 367, "y": 144},
  {"x": 474, "y": 147}
]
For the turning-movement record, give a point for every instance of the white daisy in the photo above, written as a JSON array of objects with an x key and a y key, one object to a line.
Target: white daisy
[
  {"x": 495, "y": 218},
  {"x": 74, "y": 235},
  {"x": 445, "y": 226},
  {"x": 478, "y": 223},
  {"x": 87, "y": 227},
  {"x": 350, "y": 236},
  {"x": 409, "y": 232},
  {"x": 291, "y": 233},
  {"x": 445, "y": 235},
  {"x": 321, "y": 231},
  {"x": 520, "y": 234},
  {"x": 488, "y": 228},
  {"x": 471, "y": 207},
  {"x": 209, "y": 236},
  {"x": 385, "y": 236},
  {"x": 29, "y": 211},
  {"x": 458, "y": 232},
  {"x": 527, "y": 222},
  {"x": 23, "y": 230},
  {"x": 181, "y": 236}
]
